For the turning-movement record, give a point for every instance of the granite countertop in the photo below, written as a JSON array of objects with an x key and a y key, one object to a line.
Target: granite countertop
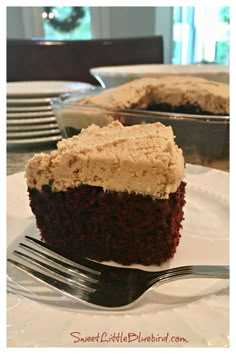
[{"x": 16, "y": 160}]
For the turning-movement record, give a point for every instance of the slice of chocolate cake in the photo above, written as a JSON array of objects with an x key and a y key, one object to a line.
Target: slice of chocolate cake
[
  {"x": 179, "y": 94},
  {"x": 112, "y": 193}
]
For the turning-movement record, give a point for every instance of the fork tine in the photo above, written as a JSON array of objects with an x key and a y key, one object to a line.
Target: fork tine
[
  {"x": 81, "y": 263},
  {"x": 73, "y": 269},
  {"x": 77, "y": 280},
  {"x": 81, "y": 295}
]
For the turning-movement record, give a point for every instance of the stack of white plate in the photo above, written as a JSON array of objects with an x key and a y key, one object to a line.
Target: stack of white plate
[{"x": 30, "y": 118}]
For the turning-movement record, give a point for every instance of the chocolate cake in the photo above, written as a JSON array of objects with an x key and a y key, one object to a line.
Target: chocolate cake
[
  {"x": 113, "y": 193},
  {"x": 179, "y": 94}
]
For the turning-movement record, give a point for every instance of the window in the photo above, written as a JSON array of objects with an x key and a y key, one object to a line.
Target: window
[
  {"x": 201, "y": 35},
  {"x": 66, "y": 22}
]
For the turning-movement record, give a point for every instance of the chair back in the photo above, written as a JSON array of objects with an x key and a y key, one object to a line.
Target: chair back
[{"x": 71, "y": 60}]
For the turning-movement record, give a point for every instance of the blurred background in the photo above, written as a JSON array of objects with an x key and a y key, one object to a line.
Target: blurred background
[{"x": 191, "y": 34}]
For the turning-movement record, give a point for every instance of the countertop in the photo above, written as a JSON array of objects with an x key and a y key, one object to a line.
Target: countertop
[{"x": 17, "y": 159}]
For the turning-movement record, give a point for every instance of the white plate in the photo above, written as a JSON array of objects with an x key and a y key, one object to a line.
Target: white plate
[
  {"x": 110, "y": 76},
  {"x": 197, "y": 310},
  {"x": 22, "y": 121},
  {"x": 21, "y": 109},
  {"x": 33, "y": 141},
  {"x": 32, "y": 134},
  {"x": 44, "y": 88},
  {"x": 38, "y": 114},
  {"x": 28, "y": 101},
  {"x": 20, "y": 128}
]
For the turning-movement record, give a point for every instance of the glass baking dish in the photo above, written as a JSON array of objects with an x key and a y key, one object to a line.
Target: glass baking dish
[{"x": 204, "y": 139}]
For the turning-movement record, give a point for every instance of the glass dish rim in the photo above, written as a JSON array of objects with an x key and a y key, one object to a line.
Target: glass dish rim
[{"x": 58, "y": 103}]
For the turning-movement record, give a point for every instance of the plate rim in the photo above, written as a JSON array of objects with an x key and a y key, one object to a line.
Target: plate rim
[
  {"x": 17, "y": 142},
  {"x": 66, "y": 86}
]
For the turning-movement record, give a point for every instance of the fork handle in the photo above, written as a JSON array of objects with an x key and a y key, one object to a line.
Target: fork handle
[
  {"x": 185, "y": 272},
  {"x": 211, "y": 271}
]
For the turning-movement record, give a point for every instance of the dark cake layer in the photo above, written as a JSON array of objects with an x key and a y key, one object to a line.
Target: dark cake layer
[
  {"x": 187, "y": 108},
  {"x": 121, "y": 227}
]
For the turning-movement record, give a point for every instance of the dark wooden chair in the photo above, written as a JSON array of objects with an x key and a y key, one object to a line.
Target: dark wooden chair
[{"x": 71, "y": 60}]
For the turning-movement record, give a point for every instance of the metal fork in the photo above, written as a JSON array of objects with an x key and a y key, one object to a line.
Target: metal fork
[{"x": 99, "y": 285}]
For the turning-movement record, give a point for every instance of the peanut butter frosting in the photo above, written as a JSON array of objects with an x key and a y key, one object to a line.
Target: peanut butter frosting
[
  {"x": 141, "y": 159},
  {"x": 210, "y": 96}
]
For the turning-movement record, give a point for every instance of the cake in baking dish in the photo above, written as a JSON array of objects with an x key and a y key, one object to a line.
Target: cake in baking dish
[
  {"x": 112, "y": 193},
  {"x": 179, "y": 94}
]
